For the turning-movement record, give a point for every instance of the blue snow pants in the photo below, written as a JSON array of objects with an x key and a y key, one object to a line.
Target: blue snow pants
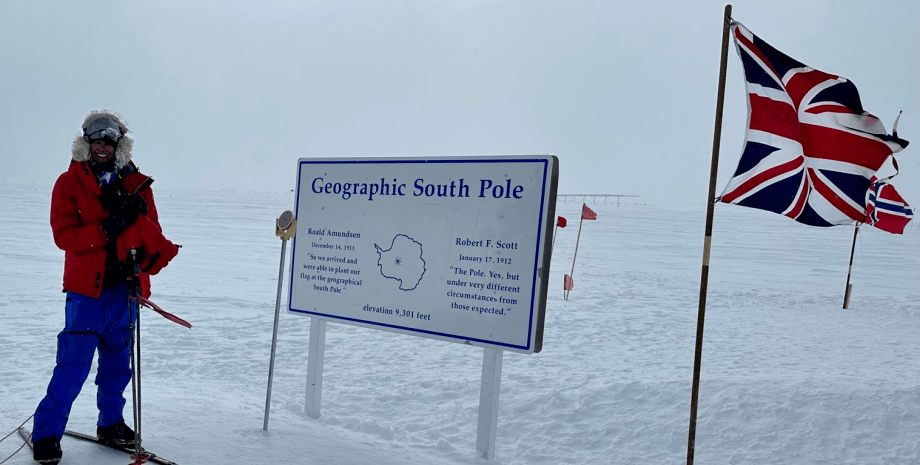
[{"x": 105, "y": 324}]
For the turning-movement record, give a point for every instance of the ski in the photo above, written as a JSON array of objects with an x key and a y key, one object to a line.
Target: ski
[
  {"x": 126, "y": 449},
  {"x": 26, "y": 435}
]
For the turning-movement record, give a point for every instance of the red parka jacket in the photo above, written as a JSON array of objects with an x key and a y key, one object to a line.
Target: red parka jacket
[{"x": 76, "y": 222}]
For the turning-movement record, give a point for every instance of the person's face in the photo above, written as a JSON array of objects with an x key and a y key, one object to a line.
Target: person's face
[{"x": 101, "y": 151}]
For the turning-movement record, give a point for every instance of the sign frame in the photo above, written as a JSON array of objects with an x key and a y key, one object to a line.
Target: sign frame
[{"x": 316, "y": 208}]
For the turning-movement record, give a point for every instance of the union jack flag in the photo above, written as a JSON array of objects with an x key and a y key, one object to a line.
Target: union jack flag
[
  {"x": 810, "y": 149},
  {"x": 886, "y": 209}
]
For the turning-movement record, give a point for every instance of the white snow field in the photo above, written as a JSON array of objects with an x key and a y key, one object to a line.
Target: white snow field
[{"x": 787, "y": 375}]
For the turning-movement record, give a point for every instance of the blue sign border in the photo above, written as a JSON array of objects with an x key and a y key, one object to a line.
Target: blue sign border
[{"x": 537, "y": 302}]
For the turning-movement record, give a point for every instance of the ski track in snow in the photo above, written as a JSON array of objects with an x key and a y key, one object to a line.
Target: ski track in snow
[{"x": 787, "y": 375}]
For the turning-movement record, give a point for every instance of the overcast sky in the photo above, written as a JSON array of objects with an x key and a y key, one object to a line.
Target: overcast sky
[{"x": 230, "y": 94}]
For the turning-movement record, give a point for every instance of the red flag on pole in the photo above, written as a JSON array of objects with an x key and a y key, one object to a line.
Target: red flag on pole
[
  {"x": 587, "y": 213},
  {"x": 169, "y": 316},
  {"x": 569, "y": 283},
  {"x": 560, "y": 222}
]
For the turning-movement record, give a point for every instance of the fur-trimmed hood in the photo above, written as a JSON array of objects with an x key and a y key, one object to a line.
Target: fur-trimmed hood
[{"x": 80, "y": 148}]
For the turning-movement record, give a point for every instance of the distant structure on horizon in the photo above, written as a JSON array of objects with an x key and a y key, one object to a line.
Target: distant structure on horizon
[{"x": 592, "y": 199}]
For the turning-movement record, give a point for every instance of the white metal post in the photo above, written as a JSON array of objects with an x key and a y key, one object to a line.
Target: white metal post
[
  {"x": 315, "y": 366},
  {"x": 488, "y": 403}
]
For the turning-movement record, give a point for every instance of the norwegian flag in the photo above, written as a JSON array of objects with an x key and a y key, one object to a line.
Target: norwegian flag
[
  {"x": 886, "y": 209},
  {"x": 810, "y": 149}
]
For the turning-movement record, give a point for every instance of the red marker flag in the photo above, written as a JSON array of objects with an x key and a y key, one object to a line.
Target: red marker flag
[
  {"x": 569, "y": 283},
  {"x": 169, "y": 316},
  {"x": 560, "y": 222},
  {"x": 587, "y": 213}
]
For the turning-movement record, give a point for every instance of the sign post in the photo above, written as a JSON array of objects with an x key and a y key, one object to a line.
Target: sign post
[
  {"x": 488, "y": 403},
  {"x": 315, "y": 367}
]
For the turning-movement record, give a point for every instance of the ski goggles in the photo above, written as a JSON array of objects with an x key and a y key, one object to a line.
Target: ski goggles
[{"x": 102, "y": 128}]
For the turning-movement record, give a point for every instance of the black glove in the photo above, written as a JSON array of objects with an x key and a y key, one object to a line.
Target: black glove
[
  {"x": 127, "y": 267},
  {"x": 135, "y": 257},
  {"x": 134, "y": 203},
  {"x": 115, "y": 224}
]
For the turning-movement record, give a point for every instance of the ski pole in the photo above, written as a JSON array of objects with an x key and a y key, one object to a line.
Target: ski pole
[
  {"x": 134, "y": 375},
  {"x": 136, "y": 368}
]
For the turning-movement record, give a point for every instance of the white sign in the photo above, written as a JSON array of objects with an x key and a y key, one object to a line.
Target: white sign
[{"x": 447, "y": 248}]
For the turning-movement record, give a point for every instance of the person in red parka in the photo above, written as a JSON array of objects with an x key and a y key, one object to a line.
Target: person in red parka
[{"x": 104, "y": 218}]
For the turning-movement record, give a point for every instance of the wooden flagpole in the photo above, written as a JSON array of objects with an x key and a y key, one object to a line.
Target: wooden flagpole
[
  {"x": 554, "y": 236},
  {"x": 580, "y": 222},
  {"x": 707, "y": 241},
  {"x": 846, "y": 292}
]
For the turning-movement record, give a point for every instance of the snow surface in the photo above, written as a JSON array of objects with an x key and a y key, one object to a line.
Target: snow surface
[{"x": 787, "y": 375}]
